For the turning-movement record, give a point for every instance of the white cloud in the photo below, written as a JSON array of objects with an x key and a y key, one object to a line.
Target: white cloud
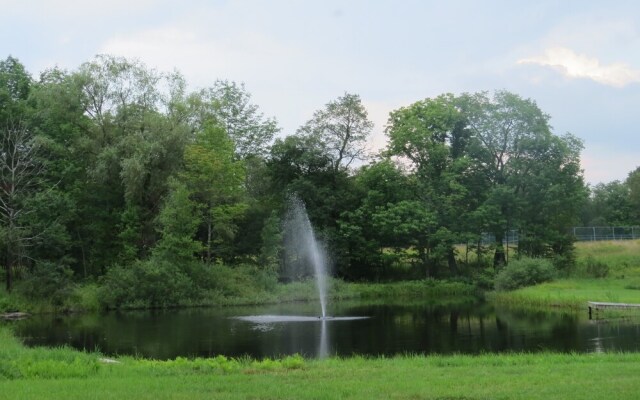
[
  {"x": 201, "y": 58},
  {"x": 574, "y": 65}
]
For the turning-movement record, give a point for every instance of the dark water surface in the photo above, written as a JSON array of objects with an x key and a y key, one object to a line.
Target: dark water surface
[{"x": 389, "y": 330}]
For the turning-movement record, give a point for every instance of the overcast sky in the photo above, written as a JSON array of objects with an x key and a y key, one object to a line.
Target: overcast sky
[{"x": 579, "y": 60}]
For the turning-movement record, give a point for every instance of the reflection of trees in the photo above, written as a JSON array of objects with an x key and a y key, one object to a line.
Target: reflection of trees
[{"x": 391, "y": 330}]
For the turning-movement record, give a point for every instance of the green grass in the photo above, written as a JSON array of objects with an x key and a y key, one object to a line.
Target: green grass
[
  {"x": 67, "y": 374},
  {"x": 621, "y": 285},
  {"x": 85, "y": 297}
]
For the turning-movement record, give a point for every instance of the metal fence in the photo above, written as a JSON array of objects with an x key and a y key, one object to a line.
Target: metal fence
[
  {"x": 580, "y": 233},
  {"x": 594, "y": 233}
]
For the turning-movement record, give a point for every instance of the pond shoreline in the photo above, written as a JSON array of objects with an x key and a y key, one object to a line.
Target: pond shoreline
[{"x": 34, "y": 373}]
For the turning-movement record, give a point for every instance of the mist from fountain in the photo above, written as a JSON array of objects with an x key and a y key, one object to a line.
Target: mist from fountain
[
  {"x": 303, "y": 249},
  {"x": 301, "y": 240}
]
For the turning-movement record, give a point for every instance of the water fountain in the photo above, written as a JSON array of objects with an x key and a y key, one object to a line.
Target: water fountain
[
  {"x": 303, "y": 249},
  {"x": 301, "y": 244}
]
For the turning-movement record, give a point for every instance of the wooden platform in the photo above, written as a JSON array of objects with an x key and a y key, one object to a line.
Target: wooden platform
[{"x": 596, "y": 305}]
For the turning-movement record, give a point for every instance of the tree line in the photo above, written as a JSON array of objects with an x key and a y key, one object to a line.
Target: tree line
[{"x": 118, "y": 174}]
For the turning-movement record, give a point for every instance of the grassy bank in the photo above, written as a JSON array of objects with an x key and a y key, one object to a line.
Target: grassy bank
[
  {"x": 618, "y": 261},
  {"x": 67, "y": 374},
  {"x": 86, "y": 297}
]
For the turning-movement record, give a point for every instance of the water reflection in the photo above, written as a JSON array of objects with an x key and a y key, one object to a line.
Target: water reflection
[{"x": 397, "y": 329}]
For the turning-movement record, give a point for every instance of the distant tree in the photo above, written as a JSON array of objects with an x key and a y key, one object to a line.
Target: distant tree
[
  {"x": 432, "y": 135},
  {"x": 609, "y": 204},
  {"x": 134, "y": 142},
  {"x": 633, "y": 183},
  {"x": 216, "y": 180},
  {"x": 343, "y": 128},
  {"x": 19, "y": 167},
  {"x": 534, "y": 177},
  {"x": 19, "y": 174},
  {"x": 178, "y": 222},
  {"x": 228, "y": 105}
]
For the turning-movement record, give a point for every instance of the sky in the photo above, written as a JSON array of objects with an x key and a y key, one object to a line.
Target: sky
[{"x": 579, "y": 60}]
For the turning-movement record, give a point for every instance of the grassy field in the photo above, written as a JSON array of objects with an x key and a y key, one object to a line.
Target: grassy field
[
  {"x": 620, "y": 285},
  {"x": 41, "y": 373}
]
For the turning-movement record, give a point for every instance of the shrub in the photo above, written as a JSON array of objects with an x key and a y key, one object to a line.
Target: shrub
[
  {"x": 48, "y": 281},
  {"x": 146, "y": 284},
  {"x": 524, "y": 272}
]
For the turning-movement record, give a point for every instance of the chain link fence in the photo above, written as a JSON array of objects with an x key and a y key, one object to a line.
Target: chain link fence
[
  {"x": 594, "y": 233},
  {"x": 580, "y": 233}
]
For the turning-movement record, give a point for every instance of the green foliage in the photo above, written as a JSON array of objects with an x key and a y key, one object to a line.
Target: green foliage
[
  {"x": 147, "y": 189},
  {"x": 178, "y": 222},
  {"x": 152, "y": 283},
  {"x": 48, "y": 281},
  {"x": 524, "y": 272},
  {"x": 228, "y": 104},
  {"x": 341, "y": 128}
]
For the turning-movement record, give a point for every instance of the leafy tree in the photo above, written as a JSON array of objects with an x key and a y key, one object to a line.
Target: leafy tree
[
  {"x": 19, "y": 167},
  {"x": 15, "y": 86},
  {"x": 216, "y": 180},
  {"x": 609, "y": 204},
  {"x": 19, "y": 173},
  {"x": 132, "y": 148},
  {"x": 178, "y": 222},
  {"x": 228, "y": 104},
  {"x": 343, "y": 128},
  {"x": 530, "y": 172},
  {"x": 432, "y": 135},
  {"x": 365, "y": 248},
  {"x": 633, "y": 183}
]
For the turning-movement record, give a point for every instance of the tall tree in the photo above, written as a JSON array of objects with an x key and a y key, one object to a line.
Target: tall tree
[
  {"x": 343, "y": 127},
  {"x": 19, "y": 168},
  {"x": 135, "y": 141},
  {"x": 228, "y": 104},
  {"x": 526, "y": 168},
  {"x": 633, "y": 183},
  {"x": 216, "y": 180},
  {"x": 432, "y": 136},
  {"x": 19, "y": 172}
]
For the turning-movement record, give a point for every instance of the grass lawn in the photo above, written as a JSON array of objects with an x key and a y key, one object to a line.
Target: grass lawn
[
  {"x": 40, "y": 373},
  {"x": 621, "y": 285}
]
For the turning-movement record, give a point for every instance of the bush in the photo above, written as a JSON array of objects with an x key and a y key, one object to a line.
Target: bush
[
  {"x": 48, "y": 281},
  {"x": 146, "y": 284},
  {"x": 524, "y": 272}
]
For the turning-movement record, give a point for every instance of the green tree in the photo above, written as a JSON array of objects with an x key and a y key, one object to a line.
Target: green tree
[
  {"x": 609, "y": 204},
  {"x": 178, "y": 223},
  {"x": 343, "y": 128},
  {"x": 132, "y": 145},
  {"x": 19, "y": 167},
  {"x": 431, "y": 135},
  {"x": 633, "y": 183},
  {"x": 533, "y": 176},
  {"x": 216, "y": 179},
  {"x": 228, "y": 104}
]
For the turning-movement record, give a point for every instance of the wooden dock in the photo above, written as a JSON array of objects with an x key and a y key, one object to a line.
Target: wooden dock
[{"x": 596, "y": 306}]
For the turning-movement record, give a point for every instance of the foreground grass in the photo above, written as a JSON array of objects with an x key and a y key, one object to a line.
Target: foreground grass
[
  {"x": 621, "y": 285},
  {"x": 67, "y": 374}
]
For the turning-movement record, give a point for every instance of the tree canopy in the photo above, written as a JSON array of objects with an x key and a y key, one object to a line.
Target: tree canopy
[{"x": 116, "y": 173}]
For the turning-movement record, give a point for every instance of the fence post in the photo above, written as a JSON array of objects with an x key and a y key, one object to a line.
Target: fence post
[{"x": 594, "y": 233}]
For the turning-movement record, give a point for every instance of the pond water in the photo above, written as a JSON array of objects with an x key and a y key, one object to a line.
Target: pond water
[{"x": 388, "y": 330}]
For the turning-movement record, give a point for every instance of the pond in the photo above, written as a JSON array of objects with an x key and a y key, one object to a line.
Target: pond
[{"x": 388, "y": 330}]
